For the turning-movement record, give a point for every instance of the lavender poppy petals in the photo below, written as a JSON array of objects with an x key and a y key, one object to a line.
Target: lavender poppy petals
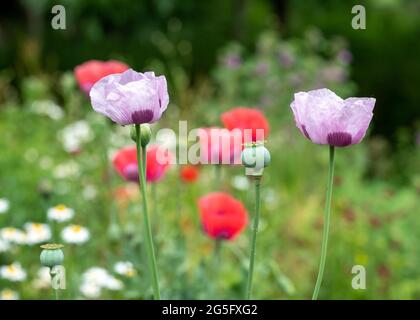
[
  {"x": 325, "y": 118},
  {"x": 131, "y": 97}
]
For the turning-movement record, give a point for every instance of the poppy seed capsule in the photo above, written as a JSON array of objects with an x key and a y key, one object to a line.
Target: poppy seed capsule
[
  {"x": 51, "y": 255},
  {"x": 256, "y": 157},
  {"x": 145, "y": 134}
]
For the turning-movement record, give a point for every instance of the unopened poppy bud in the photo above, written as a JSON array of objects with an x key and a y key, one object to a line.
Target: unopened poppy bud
[
  {"x": 145, "y": 134},
  {"x": 51, "y": 255},
  {"x": 256, "y": 157},
  {"x": 133, "y": 133}
]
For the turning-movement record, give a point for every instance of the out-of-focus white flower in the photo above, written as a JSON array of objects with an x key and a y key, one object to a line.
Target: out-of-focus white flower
[
  {"x": 89, "y": 192},
  {"x": 12, "y": 235},
  {"x": 60, "y": 213},
  {"x": 119, "y": 137},
  {"x": 43, "y": 279},
  {"x": 65, "y": 170},
  {"x": 75, "y": 135},
  {"x": 4, "y": 245},
  {"x": 240, "y": 183},
  {"x": 125, "y": 268},
  {"x": 75, "y": 234},
  {"x": 8, "y": 294},
  {"x": 112, "y": 283},
  {"x": 13, "y": 272},
  {"x": 37, "y": 232},
  {"x": 4, "y": 205},
  {"x": 90, "y": 290},
  {"x": 48, "y": 108},
  {"x": 95, "y": 279},
  {"x": 271, "y": 197}
]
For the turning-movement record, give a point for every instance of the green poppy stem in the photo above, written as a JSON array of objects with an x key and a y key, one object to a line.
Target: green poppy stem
[
  {"x": 326, "y": 225},
  {"x": 141, "y": 160},
  {"x": 254, "y": 237},
  {"x": 217, "y": 176}
]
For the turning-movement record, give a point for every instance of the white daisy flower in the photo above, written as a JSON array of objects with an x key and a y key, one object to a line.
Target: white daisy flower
[
  {"x": 60, "y": 213},
  {"x": 12, "y": 235},
  {"x": 112, "y": 283},
  {"x": 125, "y": 268},
  {"x": 43, "y": 279},
  {"x": 4, "y": 205},
  {"x": 13, "y": 272},
  {"x": 48, "y": 108},
  {"x": 240, "y": 183},
  {"x": 8, "y": 294},
  {"x": 4, "y": 245},
  {"x": 95, "y": 279},
  {"x": 75, "y": 234},
  {"x": 90, "y": 290},
  {"x": 75, "y": 135},
  {"x": 37, "y": 232},
  {"x": 66, "y": 170}
]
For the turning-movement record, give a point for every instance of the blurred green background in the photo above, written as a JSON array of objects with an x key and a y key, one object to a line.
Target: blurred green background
[{"x": 216, "y": 55}]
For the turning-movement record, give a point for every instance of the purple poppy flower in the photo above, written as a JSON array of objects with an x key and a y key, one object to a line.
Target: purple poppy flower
[
  {"x": 130, "y": 97},
  {"x": 325, "y": 118}
]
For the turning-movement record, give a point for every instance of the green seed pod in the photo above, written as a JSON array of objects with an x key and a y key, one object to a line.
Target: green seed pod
[
  {"x": 145, "y": 134},
  {"x": 133, "y": 133},
  {"x": 51, "y": 255},
  {"x": 256, "y": 157}
]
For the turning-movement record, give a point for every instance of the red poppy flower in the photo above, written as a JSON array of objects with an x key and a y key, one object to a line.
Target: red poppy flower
[
  {"x": 91, "y": 71},
  {"x": 246, "y": 118},
  {"x": 220, "y": 146},
  {"x": 158, "y": 161},
  {"x": 222, "y": 216},
  {"x": 189, "y": 173}
]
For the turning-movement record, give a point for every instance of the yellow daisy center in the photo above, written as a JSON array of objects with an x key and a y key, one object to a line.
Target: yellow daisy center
[
  {"x": 76, "y": 229},
  {"x": 37, "y": 226},
  {"x": 10, "y": 231},
  {"x": 60, "y": 207},
  {"x": 130, "y": 272},
  {"x": 11, "y": 268},
  {"x": 7, "y": 294}
]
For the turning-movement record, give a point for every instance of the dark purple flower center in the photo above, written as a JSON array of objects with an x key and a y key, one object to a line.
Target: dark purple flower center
[
  {"x": 142, "y": 116},
  {"x": 339, "y": 139},
  {"x": 131, "y": 173},
  {"x": 305, "y": 132},
  {"x": 224, "y": 235}
]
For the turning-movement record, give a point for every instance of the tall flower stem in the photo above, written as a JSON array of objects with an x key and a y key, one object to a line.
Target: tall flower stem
[
  {"x": 254, "y": 237},
  {"x": 217, "y": 176},
  {"x": 327, "y": 212},
  {"x": 215, "y": 264},
  {"x": 155, "y": 211},
  {"x": 141, "y": 159}
]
